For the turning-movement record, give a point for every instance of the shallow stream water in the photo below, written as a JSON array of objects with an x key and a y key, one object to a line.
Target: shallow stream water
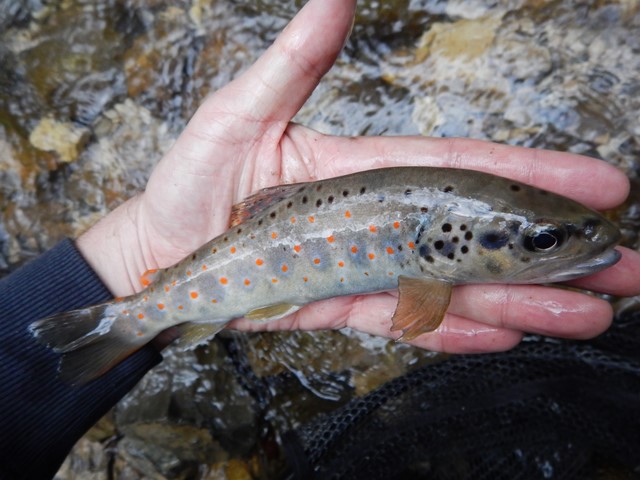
[{"x": 93, "y": 93}]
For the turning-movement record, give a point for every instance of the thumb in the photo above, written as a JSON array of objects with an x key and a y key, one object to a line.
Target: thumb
[{"x": 281, "y": 80}]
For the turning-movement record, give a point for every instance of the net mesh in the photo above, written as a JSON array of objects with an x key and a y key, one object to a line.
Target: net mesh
[{"x": 547, "y": 409}]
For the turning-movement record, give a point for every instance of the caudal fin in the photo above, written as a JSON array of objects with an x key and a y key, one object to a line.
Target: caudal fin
[{"x": 91, "y": 340}]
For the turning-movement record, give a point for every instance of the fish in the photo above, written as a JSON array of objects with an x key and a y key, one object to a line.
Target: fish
[{"x": 420, "y": 230}]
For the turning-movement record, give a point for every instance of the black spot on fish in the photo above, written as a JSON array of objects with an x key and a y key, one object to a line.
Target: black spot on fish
[
  {"x": 451, "y": 256},
  {"x": 362, "y": 190},
  {"x": 511, "y": 246},
  {"x": 381, "y": 198},
  {"x": 399, "y": 248},
  {"x": 301, "y": 189},
  {"x": 455, "y": 239},
  {"x": 330, "y": 199},
  {"x": 225, "y": 239},
  {"x": 464, "y": 249},
  {"x": 438, "y": 244},
  {"x": 305, "y": 199},
  {"x": 272, "y": 214},
  {"x": 193, "y": 257},
  {"x": 345, "y": 193},
  {"x": 318, "y": 188},
  {"x": 239, "y": 231},
  {"x": 494, "y": 240},
  {"x": 419, "y": 236},
  {"x": 430, "y": 259},
  {"x": 458, "y": 260},
  {"x": 424, "y": 210},
  {"x": 407, "y": 192},
  {"x": 424, "y": 251},
  {"x": 525, "y": 259},
  {"x": 260, "y": 222},
  {"x": 318, "y": 203},
  {"x": 515, "y": 188},
  {"x": 463, "y": 227},
  {"x": 448, "y": 189},
  {"x": 468, "y": 236},
  {"x": 215, "y": 250},
  {"x": 446, "y": 227},
  {"x": 290, "y": 204}
]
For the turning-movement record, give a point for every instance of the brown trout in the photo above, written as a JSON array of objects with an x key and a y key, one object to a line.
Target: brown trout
[{"x": 419, "y": 229}]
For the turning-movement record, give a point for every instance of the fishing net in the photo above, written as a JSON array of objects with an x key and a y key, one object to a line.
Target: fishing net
[{"x": 546, "y": 409}]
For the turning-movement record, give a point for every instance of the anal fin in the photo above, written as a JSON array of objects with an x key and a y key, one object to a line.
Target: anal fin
[
  {"x": 422, "y": 304},
  {"x": 193, "y": 334}
]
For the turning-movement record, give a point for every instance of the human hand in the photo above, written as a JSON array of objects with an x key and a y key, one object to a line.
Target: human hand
[{"x": 241, "y": 139}]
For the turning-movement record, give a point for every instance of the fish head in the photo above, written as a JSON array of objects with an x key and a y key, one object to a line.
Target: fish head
[
  {"x": 560, "y": 248},
  {"x": 544, "y": 239}
]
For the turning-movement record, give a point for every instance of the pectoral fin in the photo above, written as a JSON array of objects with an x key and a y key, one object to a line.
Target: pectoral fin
[
  {"x": 193, "y": 334},
  {"x": 422, "y": 304},
  {"x": 272, "y": 312}
]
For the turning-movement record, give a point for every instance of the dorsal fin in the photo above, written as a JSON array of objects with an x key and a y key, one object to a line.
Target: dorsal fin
[{"x": 260, "y": 201}]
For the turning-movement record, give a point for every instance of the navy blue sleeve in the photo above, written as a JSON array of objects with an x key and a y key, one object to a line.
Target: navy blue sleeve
[{"x": 40, "y": 417}]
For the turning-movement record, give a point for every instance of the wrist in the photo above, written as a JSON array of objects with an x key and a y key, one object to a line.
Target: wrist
[{"x": 112, "y": 247}]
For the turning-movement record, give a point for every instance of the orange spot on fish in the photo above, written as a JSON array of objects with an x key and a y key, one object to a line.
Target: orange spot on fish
[
  {"x": 140, "y": 334},
  {"x": 354, "y": 249},
  {"x": 341, "y": 263},
  {"x": 259, "y": 262},
  {"x": 316, "y": 261},
  {"x": 311, "y": 219},
  {"x": 193, "y": 295},
  {"x": 391, "y": 274},
  {"x": 371, "y": 256},
  {"x": 214, "y": 250},
  {"x": 293, "y": 219},
  {"x": 274, "y": 280},
  {"x": 232, "y": 249},
  {"x": 180, "y": 307},
  {"x": 224, "y": 280},
  {"x": 347, "y": 214},
  {"x": 297, "y": 248},
  {"x": 390, "y": 251},
  {"x": 141, "y": 316},
  {"x": 145, "y": 298},
  {"x": 161, "y": 306},
  {"x": 214, "y": 301},
  {"x": 306, "y": 279},
  {"x": 204, "y": 267},
  {"x": 284, "y": 268},
  {"x": 372, "y": 228},
  {"x": 331, "y": 239},
  {"x": 174, "y": 283},
  {"x": 125, "y": 312},
  {"x": 145, "y": 282},
  {"x": 274, "y": 235},
  {"x": 396, "y": 225},
  {"x": 411, "y": 245},
  {"x": 166, "y": 288},
  {"x": 188, "y": 273},
  {"x": 247, "y": 282},
  {"x": 118, "y": 299}
]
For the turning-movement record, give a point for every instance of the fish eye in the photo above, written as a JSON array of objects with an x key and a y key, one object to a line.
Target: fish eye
[{"x": 544, "y": 239}]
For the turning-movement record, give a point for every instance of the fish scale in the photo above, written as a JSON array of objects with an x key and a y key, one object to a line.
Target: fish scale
[{"x": 418, "y": 229}]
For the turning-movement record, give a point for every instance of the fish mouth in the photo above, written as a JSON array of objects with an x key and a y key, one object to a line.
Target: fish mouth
[{"x": 588, "y": 267}]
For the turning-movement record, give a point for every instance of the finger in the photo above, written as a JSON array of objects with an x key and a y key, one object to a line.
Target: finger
[
  {"x": 621, "y": 279},
  {"x": 534, "y": 309},
  {"x": 567, "y": 174},
  {"x": 372, "y": 314}
]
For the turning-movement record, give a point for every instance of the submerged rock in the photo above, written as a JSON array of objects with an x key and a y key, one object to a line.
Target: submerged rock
[{"x": 64, "y": 138}]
